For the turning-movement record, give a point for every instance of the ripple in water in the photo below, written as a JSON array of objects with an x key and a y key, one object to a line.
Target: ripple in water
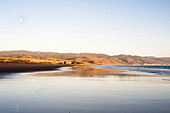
[{"x": 158, "y": 70}]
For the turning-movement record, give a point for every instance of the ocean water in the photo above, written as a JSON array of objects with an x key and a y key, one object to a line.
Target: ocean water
[
  {"x": 74, "y": 92},
  {"x": 152, "y": 70}
]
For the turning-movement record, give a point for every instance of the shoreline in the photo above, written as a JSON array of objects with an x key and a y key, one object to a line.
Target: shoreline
[
  {"x": 86, "y": 71},
  {"x": 18, "y": 68}
]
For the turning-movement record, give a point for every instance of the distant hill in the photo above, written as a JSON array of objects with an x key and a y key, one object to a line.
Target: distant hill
[
  {"x": 90, "y": 58},
  {"x": 163, "y": 59}
]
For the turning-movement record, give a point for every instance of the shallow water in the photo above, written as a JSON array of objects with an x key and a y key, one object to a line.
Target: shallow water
[
  {"x": 40, "y": 93},
  {"x": 151, "y": 70}
]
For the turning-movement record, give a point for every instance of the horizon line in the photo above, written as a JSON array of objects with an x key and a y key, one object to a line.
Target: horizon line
[{"x": 86, "y": 52}]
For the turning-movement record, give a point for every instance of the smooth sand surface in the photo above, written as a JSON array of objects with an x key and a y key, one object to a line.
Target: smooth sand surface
[
  {"x": 86, "y": 71},
  {"x": 13, "y": 68}
]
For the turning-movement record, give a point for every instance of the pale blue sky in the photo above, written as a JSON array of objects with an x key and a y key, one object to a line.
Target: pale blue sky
[{"x": 136, "y": 27}]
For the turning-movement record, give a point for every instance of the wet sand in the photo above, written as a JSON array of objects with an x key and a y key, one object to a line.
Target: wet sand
[
  {"x": 83, "y": 89},
  {"x": 86, "y": 71},
  {"x": 15, "y": 68}
]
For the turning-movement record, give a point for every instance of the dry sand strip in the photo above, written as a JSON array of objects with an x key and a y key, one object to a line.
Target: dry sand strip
[{"x": 15, "y": 68}]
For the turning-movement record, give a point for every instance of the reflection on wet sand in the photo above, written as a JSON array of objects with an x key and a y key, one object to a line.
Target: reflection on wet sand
[
  {"x": 84, "y": 90},
  {"x": 85, "y": 71}
]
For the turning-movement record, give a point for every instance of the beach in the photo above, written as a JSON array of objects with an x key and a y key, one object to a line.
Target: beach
[
  {"x": 83, "y": 89},
  {"x": 16, "y": 67}
]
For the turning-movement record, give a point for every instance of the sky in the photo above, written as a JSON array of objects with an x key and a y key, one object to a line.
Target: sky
[{"x": 133, "y": 27}]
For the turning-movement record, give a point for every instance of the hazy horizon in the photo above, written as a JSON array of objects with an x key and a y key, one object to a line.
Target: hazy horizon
[
  {"x": 110, "y": 27},
  {"x": 86, "y": 52}
]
